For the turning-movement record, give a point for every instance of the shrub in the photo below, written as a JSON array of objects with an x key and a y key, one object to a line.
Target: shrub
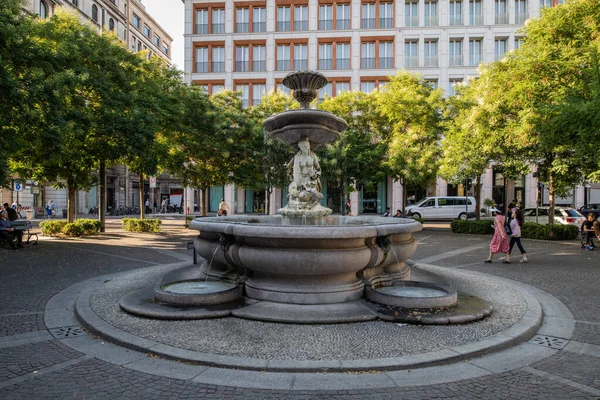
[
  {"x": 529, "y": 230},
  {"x": 141, "y": 225},
  {"x": 52, "y": 227},
  {"x": 88, "y": 226},
  {"x": 72, "y": 229},
  {"x": 188, "y": 219}
]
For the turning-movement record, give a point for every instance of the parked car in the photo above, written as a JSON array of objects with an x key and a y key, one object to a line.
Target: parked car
[
  {"x": 562, "y": 215},
  {"x": 443, "y": 207},
  {"x": 593, "y": 208}
]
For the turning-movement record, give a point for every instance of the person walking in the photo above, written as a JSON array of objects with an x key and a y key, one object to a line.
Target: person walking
[
  {"x": 500, "y": 242},
  {"x": 588, "y": 230},
  {"x": 48, "y": 210},
  {"x": 515, "y": 226},
  {"x": 223, "y": 208}
]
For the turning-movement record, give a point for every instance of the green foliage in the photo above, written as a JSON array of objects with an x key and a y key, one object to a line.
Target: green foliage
[
  {"x": 81, "y": 227},
  {"x": 52, "y": 227},
  {"x": 141, "y": 225},
  {"x": 188, "y": 219},
  {"x": 529, "y": 230}
]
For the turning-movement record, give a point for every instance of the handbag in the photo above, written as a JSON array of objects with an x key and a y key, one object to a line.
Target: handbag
[{"x": 507, "y": 229}]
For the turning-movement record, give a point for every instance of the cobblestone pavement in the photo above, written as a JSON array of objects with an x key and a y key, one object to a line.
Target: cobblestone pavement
[{"x": 36, "y": 365}]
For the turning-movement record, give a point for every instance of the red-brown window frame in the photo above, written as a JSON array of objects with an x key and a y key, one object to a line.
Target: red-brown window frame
[
  {"x": 377, "y": 3},
  {"x": 292, "y": 4},
  {"x": 334, "y": 4},
  {"x": 210, "y": 83},
  {"x": 377, "y": 79},
  {"x": 250, "y": 83},
  {"x": 377, "y": 40},
  {"x": 290, "y": 42},
  {"x": 250, "y": 44},
  {"x": 334, "y": 42},
  {"x": 335, "y": 81},
  {"x": 250, "y": 6},
  {"x": 209, "y": 45},
  {"x": 209, "y": 7}
]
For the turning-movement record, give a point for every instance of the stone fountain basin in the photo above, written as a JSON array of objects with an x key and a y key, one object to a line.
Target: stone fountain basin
[
  {"x": 412, "y": 294},
  {"x": 291, "y": 126},
  {"x": 306, "y": 261},
  {"x": 198, "y": 292}
]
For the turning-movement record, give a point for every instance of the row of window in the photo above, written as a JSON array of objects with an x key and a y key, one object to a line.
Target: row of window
[
  {"x": 336, "y": 16},
  {"x": 377, "y": 54},
  {"x": 146, "y": 31},
  {"x": 252, "y": 92}
]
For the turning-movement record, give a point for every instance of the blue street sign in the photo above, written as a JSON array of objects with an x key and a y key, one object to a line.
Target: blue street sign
[{"x": 18, "y": 186}]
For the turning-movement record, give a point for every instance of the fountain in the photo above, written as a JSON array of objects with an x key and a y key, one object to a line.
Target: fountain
[{"x": 303, "y": 265}]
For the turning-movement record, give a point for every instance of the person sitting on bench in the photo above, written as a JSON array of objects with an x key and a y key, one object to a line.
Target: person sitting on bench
[
  {"x": 12, "y": 213},
  {"x": 7, "y": 231}
]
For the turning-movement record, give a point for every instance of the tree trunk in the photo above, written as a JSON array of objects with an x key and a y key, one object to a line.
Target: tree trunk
[
  {"x": 142, "y": 201},
  {"x": 102, "y": 206},
  {"x": 204, "y": 201},
  {"x": 550, "y": 199},
  {"x": 478, "y": 198},
  {"x": 343, "y": 199},
  {"x": 267, "y": 201},
  {"x": 404, "y": 197},
  {"x": 71, "y": 203}
]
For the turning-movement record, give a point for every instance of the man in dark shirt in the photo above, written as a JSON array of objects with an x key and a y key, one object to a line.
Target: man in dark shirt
[
  {"x": 7, "y": 230},
  {"x": 12, "y": 213},
  {"x": 588, "y": 230}
]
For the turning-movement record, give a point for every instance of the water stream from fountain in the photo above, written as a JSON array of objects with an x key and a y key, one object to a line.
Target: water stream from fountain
[{"x": 210, "y": 263}]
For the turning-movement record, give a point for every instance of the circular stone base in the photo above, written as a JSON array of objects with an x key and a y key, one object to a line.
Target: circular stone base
[
  {"x": 198, "y": 292},
  {"x": 411, "y": 294}
]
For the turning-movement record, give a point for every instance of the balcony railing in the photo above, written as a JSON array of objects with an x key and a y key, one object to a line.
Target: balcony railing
[
  {"x": 367, "y": 63},
  {"x": 259, "y": 26},
  {"x": 411, "y": 21},
  {"x": 259, "y": 65},
  {"x": 501, "y": 19},
  {"x": 456, "y": 20},
  {"x": 241, "y": 66},
  {"x": 241, "y": 27},
  {"x": 431, "y": 20},
  {"x": 475, "y": 60},
  {"x": 283, "y": 65},
  {"x": 431, "y": 61},
  {"x": 201, "y": 29},
  {"x": 476, "y": 19},
  {"x": 300, "y": 25},
  {"x": 385, "y": 23},
  {"x": 367, "y": 23},
  {"x": 521, "y": 17},
  {"x": 325, "y": 25},
  {"x": 325, "y": 63},
  {"x": 342, "y": 63},
  {"x": 283, "y": 26},
  {"x": 218, "y": 28},
  {"x": 202, "y": 67},
  {"x": 498, "y": 56},
  {"x": 218, "y": 66},
  {"x": 342, "y": 24},
  {"x": 456, "y": 60},
  {"x": 411, "y": 61},
  {"x": 300, "y": 65},
  {"x": 386, "y": 62}
]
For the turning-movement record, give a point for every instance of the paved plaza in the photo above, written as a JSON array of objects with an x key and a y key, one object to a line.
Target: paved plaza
[{"x": 541, "y": 342}]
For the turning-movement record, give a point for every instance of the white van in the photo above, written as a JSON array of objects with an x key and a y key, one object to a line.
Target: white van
[{"x": 443, "y": 207}]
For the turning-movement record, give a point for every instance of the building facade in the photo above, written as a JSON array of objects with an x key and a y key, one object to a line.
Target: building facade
[
  {"x": 135, "y": 27},
  {"x": 251, "y": 46}
]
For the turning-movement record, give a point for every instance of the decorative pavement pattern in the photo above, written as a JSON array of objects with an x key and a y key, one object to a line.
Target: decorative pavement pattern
[{"x": 66, "y": 362}]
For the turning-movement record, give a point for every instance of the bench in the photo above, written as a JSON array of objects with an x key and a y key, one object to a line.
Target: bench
[{"x": 25, "y": 226}]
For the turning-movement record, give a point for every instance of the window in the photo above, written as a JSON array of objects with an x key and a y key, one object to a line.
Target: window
[
  {"x": 242, "y": 58},
  {"x": 325, "y": 56},
  {"x": 367, "y": 55},
  {"x": 499, "y": 49},
  {"x": 325, "y": 91},
  {"x": 95, "y": 12},
  {"x": 455, "y": 52},
  {"x": 500, "y": 12},
  {"x": 342, "y": 20},
  {"x": 156, "y": 40},
  {"x": 111, "y": 24},
  {"x": 433, "y": 83},
  {"x": 368, "y": 16},
  {"x": 431, "y": 57},
  {"x": 259, "y": 58},
  {"x": 475, "y": 51},
  {"x": 386, "y": 15},
  {"x": 431, "y": 13},
  {"x": 259, "y": 23},
  {"x": 325, "y": 17},
  {"x": 44, "y": 10},
  {"x": 283, "y": 19},
  {"x": 137, "y": 22},
  {"x": 283, "y": 57},
  {"x": 146, "y": 31},
  {"x": 475, "y": 15},
  {"x": 342, "y": 56},
  {"x": 518, "y": 42},
  {"x": 280, "y": 88},
  {"x": 301, "y": 18},
  {"x": 411, "y": 55},
  {"x": 218, "y": 20},
  {"x": 242, "y": 21},
  {"x": 300, "y": 57},
  {"x": 341, "y": 87},
  {"x": 455, "y": 12},
  {"x": 367, "y": 86},
  {"x": 258, "y": 92},
  {"x": 545, "y": 3},
  {"x": 452, "y": 85},
  {"x": 202, "y": 59},
  {"x": 411, "y": 14},
  {"x": 245, "y": 89},
  {"x": 521, "y": 11},
  {"x": 165, "y": 49},
  {"x": 386, "y": 55},
  {"x": 201, "y": 21},
  {"x": 211, "y": 87},
  {"x": 74, "y": 2},
  {"x": 218, "y": 59}
]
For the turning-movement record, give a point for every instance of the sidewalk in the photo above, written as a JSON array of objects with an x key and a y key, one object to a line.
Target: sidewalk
[{"x": 43, "y": 355}]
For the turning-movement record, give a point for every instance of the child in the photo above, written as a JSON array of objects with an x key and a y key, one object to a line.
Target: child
[{"x": 515, "y": 225}]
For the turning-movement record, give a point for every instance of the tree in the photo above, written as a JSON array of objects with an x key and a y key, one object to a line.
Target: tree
[
  {"x": 357, "y": 158},
  {"x": 412, "y": 111}
]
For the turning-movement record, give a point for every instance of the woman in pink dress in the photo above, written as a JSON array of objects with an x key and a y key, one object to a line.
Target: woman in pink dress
[{"x": 500, "y": 242}]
